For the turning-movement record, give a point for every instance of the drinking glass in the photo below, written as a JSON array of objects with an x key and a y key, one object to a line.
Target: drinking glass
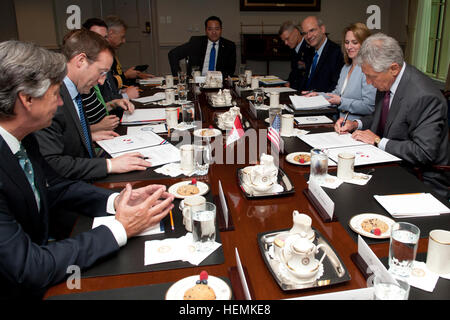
[
  {"x": 202, "y": 157},
  {"x": 403, "y": 248},
  {"x": 188, "y": 111},
  {"x": 390, "y": 289},
  {"x": 204, "y": 226},
  {"x": 259, "y": 97},
  {"x": 319, "y": 166},
  {"x": 182, "y": 92},
  {"x": 182, "y": 77},
  {"x": 273, "y": 112}
]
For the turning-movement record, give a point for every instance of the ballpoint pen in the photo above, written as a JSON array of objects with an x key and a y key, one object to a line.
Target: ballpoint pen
[
  {"x": 171, "y": 220},
  {"x": 345, "y": 119}
]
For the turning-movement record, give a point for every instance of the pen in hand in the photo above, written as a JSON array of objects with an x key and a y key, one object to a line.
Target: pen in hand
[{"x": 343, "y": 122}]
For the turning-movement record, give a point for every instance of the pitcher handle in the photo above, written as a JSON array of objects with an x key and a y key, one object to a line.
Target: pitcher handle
[{"x": 324, "y": 252}]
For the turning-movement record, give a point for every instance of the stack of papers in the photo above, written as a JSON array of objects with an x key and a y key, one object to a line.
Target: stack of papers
[
  {"x": 155, "y": 80},
  {"x": 278, "y": 89},
  {"x": 412, "y": 205},
  {"x": 156, "y": 128},
  {"x": 142, "y": 116},
  {"x": 307, "y": 103},
  {"x": 156, "y": 97},
  {"x": 313, "y": 120},
  {"x": 271, "y": 80}
]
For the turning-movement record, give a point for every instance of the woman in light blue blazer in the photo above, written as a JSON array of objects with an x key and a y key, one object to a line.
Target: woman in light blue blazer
[{"x": 352, "y": 94}]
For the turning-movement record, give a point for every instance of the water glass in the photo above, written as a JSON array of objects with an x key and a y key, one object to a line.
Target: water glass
[
  {"x": 202, "y": 158},
  {"x": 390, "y": 289},
  {"x": 182, "y": 92},
  {"x": 319, "y": 166},
  {"x": 259, "y": 97},
  {"x": 181, "y": 77},
  {"x": 403, "y": 248},
  {"x": 204, "y": 226},
  {"x": 273, "y": 112},
  {"x": 188, "y": 111}
]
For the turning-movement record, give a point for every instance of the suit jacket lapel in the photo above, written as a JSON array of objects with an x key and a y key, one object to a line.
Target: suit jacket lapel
[
  {"x": 396, "y": 104},
  {"x": 68, "y": 103},
  {"x": 204, "y": 45}
]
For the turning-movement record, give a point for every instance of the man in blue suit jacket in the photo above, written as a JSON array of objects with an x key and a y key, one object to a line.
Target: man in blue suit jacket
[
  {"x": 30, "y": 78},
  {"x": 325, "y": 66}
]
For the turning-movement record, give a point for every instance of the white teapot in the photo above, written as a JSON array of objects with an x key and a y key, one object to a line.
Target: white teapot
[
  {"x": 302, "y": 225},
  {"x": 298, "y": 256},
  {"x": 264, "y": 176}
]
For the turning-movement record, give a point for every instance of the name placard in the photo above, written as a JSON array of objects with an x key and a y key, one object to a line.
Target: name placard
[{"x": 322, "y": 198}]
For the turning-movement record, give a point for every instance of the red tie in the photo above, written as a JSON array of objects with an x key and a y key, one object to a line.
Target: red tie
[{"x": 384, "y": 113}]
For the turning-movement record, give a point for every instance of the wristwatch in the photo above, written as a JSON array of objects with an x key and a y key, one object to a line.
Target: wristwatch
[{"x": 377, "y": 141}]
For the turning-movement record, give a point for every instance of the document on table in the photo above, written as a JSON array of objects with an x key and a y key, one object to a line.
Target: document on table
[
  {"x": 313, "y": 120},
  {"x": 149, "y": 99},
  {"x": 154, "y": 80},
  {"x": 129, "y": 143},
  {"x": 329, "y": 140},
  {"x": 412, "y": 205},
  {"x": 306, "y": 103},
  {"x": 156, "y": 128},
  {"x": 271, "y": 80},
  {"x": 156, "y": 229},
  {"x": 140, "y": 116},
  {"x": 279, "y": 90},
  {"x": 364, "y": 154},
  {"x": 158, "y": 155}
]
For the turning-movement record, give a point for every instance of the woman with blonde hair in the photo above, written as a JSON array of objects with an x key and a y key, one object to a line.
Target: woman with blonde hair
[{"x": 352, "y": 94}]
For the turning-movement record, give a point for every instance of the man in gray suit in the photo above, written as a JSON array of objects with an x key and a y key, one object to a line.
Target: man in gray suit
[
  {"x": 67, "y": 143},
  {"x": 410, "y": 118}
]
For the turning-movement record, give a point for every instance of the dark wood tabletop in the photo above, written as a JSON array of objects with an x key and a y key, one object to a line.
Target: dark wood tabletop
[{"x": 250, "y": 218}]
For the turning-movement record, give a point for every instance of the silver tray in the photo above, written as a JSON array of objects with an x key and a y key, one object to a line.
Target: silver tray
[{"x": 334, "y": 270}]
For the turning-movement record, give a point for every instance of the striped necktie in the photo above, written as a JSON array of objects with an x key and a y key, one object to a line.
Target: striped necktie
[
  {"x": 212, "y": 58},
  {"x": 27, "y": 168},
  {"x": 313, "y": 69},
  {"x": 384, "y": 113},
  {"x": 84, "y": 125}
]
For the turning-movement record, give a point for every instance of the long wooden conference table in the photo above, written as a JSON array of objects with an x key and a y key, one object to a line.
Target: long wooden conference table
[{"x": 249, "y": 218}]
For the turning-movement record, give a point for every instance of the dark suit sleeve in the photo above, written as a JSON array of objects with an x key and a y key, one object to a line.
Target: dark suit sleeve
[
  {"x": 230, "y": 64},
  {"x": 54, "y": 143},
  {"x": 177, "y": 54}
]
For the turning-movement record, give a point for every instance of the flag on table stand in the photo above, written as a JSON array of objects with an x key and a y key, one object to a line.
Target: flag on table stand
[
  {"x": 236, "y": 132},
  {"x": 273, "y": 134}
]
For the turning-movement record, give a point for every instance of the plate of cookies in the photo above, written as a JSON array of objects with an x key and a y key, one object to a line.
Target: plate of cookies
[
  {"x": 207, "y": 132},
  {"x": 372, "y": 225},
  {"x": 299, "y": 158},
  {"x": 190, "y": 188},
  {"x": 203, "y": 287}
]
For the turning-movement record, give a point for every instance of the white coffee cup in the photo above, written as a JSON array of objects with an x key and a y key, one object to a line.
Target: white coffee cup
[
  {"x": 172, "y": 117},
  {"x": 189, "y": 203},
  {"x": 346, "y": 166},
  {"x": 187, "y": 157},
  {"x": 170, "y": 95},
  {"x": 438, "y": 256},
  {"x": 274, "y": 99},
  {"x": 169, "y": 81},
  {"x": 255, "y": 83},
  {"x": 287, "y": 124}
]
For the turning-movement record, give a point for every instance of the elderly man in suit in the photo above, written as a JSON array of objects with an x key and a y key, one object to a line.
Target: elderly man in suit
[
  {"x": 210, "y": 52},
  {"x": 325, "y": 66},
  {"x": 67, "y": 142},
  {"x": 410, "y": 118},
  {"x": 31, "y": 192},
  {"x": 302, "y": 53}
]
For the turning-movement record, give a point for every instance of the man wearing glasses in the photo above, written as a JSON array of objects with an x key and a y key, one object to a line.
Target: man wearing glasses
[
  {"x": 325, "y": 67},
  {"x": 67, "y": 143},
  {"x": 210, "y": 52},
  {"x": 302, "y": 53}
]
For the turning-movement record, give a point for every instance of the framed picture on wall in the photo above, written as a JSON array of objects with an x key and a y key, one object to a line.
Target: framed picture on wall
[{"x": 285, "y": 5}]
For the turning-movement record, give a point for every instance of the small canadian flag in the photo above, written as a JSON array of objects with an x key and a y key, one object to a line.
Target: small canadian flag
[{"x": 236, "y": 132}]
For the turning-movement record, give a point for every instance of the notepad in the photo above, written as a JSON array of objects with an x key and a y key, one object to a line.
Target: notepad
[
  {"x": 328, "y": 140},
  {"x": 271, "y": 80},
  {"x": 158, "y": 155},
  {"x": 306, "y": 103},
  {"x": 313, "y": 120},
  {"x": 412, "y": 205},
  {"x": 141, "y": 116},
  {"x": 149, "y": 99},
  {"x": 129, "y": 143}
]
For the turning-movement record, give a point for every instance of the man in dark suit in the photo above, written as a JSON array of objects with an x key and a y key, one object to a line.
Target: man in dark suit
[
  {"x": 410, "y": 118},
  {"x": 30, "y": 190},
  {"x": 302, "y": 53},
  {"x": 325, "y": 66},
  {"x": 67, "y": 142},
  {"x": 199, "y": 48}
]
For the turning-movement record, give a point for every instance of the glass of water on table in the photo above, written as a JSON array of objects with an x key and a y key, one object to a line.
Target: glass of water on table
[
  {"x": 204, "y": 226},
  {"x": 319, "y": 166},
  {"x": 188, "y": 110},
  {"x": 403, "y": 248}
]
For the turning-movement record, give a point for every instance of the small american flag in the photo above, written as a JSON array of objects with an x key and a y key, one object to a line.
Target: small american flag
[{"x": 273, "y": 134}]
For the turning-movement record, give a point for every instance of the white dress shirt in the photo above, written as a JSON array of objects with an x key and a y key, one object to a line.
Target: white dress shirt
[{"x": 208, "y": 52}]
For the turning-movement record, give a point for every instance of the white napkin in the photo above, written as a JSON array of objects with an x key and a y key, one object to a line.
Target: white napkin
[
  {"x": 295, "y": 133},
  {"x": 331, "y": 182},
  {"x": 183, "y": 248},
  {"x": 360, "y": 179},
  {"x": 422, "y": 278},
  {"x": 173, "y": 170}
]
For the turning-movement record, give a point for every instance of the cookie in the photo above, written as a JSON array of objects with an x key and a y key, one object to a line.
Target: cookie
[
  {"x": 207, "y": 133},
  {"x": 200, "y": 292},
  {"x": 369, "y": 225},
  {"x": 188, "y": 190},
  {"x": 302, "y": 158}
]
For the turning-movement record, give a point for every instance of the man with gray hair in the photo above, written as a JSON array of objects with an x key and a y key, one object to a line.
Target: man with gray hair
[
  {"x": 31, "y": 192},
  {"x": 302, "y": 53},
  {"x": 410, "y": 118}
]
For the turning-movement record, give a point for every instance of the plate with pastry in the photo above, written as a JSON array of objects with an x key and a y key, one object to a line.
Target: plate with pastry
[
  {"x": 203, "y": 287},
  {"x": 372, "y": 225},
  {"x": 188, "y": 188},
  {"x": 207, "y": 132},
  {"x": 299, "y": 158}
]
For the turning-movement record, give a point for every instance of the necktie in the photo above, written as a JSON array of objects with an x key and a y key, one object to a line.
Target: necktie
[
  {"x": 313, "y": 68},
  {"x": 212, "y": 58},
  {"x": 27, "y": 168},
  {"x": 84, "y": 125},
  {"x": 384, "y": 113}
]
